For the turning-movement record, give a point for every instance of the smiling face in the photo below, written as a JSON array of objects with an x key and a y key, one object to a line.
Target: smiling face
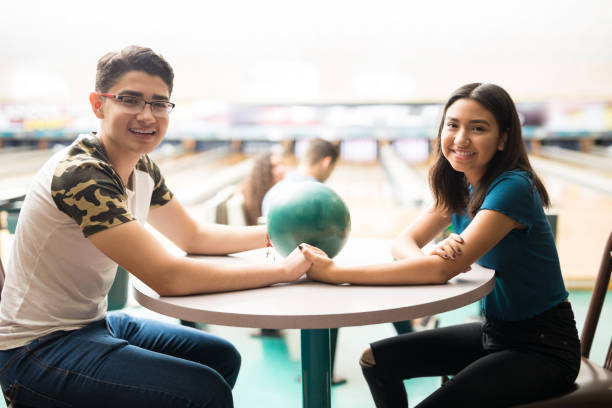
[
  {"x": 470, "y": 138},
  {"x": 125, "y": 132}
]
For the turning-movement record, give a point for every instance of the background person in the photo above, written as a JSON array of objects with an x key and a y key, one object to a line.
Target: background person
[
  {"x": 268, "y": 169},
  {"x": 483, "y": 183},
  {"x": 318, "y": 163}
]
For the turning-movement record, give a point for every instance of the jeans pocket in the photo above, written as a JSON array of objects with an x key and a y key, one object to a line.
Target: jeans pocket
[{"x": 19, "y": 395}]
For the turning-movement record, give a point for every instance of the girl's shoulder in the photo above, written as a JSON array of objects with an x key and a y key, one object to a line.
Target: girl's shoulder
[{"x": 516, "y": 179}]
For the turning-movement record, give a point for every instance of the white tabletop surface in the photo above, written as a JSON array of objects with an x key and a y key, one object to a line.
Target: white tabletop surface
[{"x": 314, "y": 305}]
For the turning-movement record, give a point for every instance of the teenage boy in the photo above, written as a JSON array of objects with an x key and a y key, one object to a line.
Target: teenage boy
[{"x": 83, "y": 215}]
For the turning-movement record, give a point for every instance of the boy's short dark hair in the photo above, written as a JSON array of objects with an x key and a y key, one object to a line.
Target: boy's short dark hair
[
  {"x": 318, "y": 149},
  {"x": 133, "y": 58}
]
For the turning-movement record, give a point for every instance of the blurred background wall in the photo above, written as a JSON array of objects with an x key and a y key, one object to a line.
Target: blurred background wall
[
  {"x": 314, "y": 51},
  {"x": 554, "y": 54}
]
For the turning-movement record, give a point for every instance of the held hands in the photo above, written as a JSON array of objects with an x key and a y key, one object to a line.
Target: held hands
[
  {"x": 322, "y": 265},
  {"x": 295, "y": 265}
]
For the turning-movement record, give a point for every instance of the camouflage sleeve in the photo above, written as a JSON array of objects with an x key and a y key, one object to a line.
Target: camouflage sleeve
[
  {"x": 161, "y": 193},
  {"x": 91, "y": 193}
]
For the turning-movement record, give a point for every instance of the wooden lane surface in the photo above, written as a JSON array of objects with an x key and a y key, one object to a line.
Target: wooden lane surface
[
  {"x": 585, "y": 215},
  {"x": 196, "y": 175},
  {"x": 584, "y": 223},
  {"x": 369, "y": 196}
]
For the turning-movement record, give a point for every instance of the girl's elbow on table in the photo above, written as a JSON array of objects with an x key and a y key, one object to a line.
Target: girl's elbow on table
[{"x": 444, "y": 270}]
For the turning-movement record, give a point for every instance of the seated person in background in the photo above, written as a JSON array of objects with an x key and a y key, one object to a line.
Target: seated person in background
[
  {"x": 268, "y": 169},
  {"x": 84, "y": 213},
  {"x": 316, "y": 165}
]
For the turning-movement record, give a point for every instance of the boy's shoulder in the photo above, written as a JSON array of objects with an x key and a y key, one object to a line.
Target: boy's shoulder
[{"x": 85, "y": 162}]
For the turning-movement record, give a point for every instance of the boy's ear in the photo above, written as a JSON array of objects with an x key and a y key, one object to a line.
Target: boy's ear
[
  {"x": 95, "y": 99},
  {"x": 326, "y": 161}
]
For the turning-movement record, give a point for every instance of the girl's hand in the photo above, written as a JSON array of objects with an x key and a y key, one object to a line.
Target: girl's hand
[
  {"x": 322, "y": 266},
  {"x": 448, "y": 248},
  {"x": 295, "y": 265}
]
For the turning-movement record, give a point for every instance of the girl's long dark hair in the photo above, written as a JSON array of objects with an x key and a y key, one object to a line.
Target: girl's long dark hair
[
  {"x": 450, "y": 187},
  {"x": 255, "y": 187}
]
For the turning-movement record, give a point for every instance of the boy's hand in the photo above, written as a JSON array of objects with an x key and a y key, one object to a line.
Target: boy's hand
[
  {"x": 295, "y": 265},
  {"x": 322, "y": 266}
]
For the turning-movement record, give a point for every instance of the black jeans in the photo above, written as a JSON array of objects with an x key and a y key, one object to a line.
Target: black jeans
[{"x": 493, "y": 364}]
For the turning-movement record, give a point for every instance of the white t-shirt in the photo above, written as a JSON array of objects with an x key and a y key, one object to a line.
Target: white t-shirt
[{"x": 56, "y": 279}]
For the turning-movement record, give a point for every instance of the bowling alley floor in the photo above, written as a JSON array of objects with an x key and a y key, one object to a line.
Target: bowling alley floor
[{"x": 270, "y": 372}]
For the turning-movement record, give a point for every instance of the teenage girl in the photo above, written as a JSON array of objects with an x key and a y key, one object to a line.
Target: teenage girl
[{"x": 527, "y": 348}]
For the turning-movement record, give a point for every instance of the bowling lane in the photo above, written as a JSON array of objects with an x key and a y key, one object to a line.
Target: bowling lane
[
  {"x": 584, "y": 222},
  {"x": 584, "y": 213},
  {"x": 23, "y": 162},
  {"x": 369, "y": 197},
  {"x": 18, "y": 168},
  {"x": 584, "y": 216},
  {"x": 183, "y": 182}
]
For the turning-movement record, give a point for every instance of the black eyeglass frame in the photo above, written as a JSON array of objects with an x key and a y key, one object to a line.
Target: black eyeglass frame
[{"x": 169, "y": 105}]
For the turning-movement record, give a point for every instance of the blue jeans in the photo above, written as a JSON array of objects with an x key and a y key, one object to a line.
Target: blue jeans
[{"x": 122, "y": 361}]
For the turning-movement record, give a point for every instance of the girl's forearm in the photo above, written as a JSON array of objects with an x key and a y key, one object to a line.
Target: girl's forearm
[
  {"x": 421, "y": 270},
  {"x": 405, "y": 249}
]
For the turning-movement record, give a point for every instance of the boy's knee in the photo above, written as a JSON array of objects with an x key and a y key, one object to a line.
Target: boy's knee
[
  {"x": 233, "y": 362},
  {"x": 367, "y": 358},
  {"x": 235, "y": 358}
]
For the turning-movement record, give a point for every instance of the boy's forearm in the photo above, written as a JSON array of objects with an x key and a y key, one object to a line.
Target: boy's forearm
[
  {"x": 194, "y": 276},
  {"x": 215, "y": 239}
]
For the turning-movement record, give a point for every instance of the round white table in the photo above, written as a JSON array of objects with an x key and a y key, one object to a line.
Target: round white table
[{"x": 315, "y": 307}]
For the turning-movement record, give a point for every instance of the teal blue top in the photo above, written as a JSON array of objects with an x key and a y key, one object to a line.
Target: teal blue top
[{"x": 528, "y": 277}]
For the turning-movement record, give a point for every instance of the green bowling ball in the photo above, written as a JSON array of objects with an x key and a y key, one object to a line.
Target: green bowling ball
[{"x": 308, "y": 212}]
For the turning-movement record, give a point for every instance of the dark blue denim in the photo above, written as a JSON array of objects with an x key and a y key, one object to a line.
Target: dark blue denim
[
  {"x": 495, "y": 364},
  {"x": 122, "y": 361}
]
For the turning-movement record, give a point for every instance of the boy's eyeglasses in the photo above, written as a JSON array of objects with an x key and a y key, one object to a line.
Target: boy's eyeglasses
[{"x": 136, "y": 104}]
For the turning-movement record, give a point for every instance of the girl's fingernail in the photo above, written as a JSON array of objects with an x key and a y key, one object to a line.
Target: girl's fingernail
[
  {"x": 300, "y": 247},
  {"x": 446, "y": 256}
]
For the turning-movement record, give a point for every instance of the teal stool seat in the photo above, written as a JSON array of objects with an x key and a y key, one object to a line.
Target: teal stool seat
[{"x": 118, "y": 294}]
